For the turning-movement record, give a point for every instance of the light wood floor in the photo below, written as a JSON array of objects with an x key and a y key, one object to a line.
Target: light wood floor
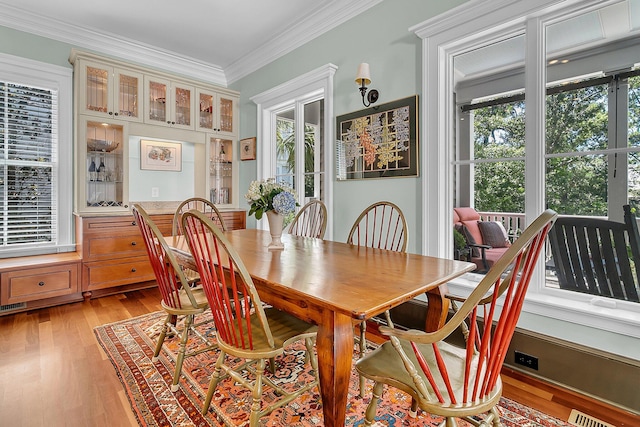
[{"x": 54, "y": 373}]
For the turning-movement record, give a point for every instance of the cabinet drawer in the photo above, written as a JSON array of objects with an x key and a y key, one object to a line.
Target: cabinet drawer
[
  {"x": 39, "y": 283},
  {"x": 100, "y": 275},
  {"x": 109, "y": 246}
]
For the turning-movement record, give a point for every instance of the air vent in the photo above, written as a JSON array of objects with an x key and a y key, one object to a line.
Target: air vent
[
  {"x": 12, "y": 307},
  {"x": 578, "y": 418}
]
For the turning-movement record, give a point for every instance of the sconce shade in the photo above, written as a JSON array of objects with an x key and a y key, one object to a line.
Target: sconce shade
[{"x": 363, "y": 78}]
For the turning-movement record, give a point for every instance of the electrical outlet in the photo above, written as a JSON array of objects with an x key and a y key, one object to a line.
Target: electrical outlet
[
  {"x": 526, "y": 360},
  {"x": 155, "y": 192}
]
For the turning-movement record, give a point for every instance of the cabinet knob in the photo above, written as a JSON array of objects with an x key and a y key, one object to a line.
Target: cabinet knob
[
  {"x": 111, "y": 113},
  {"x": 40, "y": 283},
  {"x": 133, "y": 243},
  {"x": 115, "y": 114},
  {"x": 133, "y": 223},
  {"x": 133, "y": 270}
]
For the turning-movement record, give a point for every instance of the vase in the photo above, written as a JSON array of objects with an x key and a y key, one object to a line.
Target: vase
[{"x": 275, "y": 229}]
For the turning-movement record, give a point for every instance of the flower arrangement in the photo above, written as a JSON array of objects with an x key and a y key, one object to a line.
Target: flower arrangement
[{"x": 269, "y": 195}]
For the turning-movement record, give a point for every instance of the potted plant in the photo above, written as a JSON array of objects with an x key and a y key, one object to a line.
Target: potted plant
[{"x": 461, "y": 250}]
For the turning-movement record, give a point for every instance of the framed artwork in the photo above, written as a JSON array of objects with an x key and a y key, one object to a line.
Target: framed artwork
[
  {"x": 378, "y": 142},
  {"x": 160, "y": 156},
  {"x": 248, "y": 149}
]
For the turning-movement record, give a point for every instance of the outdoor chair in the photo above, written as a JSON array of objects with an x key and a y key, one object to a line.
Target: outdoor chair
[
  {"x": 206, "y": 207},
  {"x": 382, "y": 225},
  {"x": 179, "y": 300},
  {"x": 597, "y": 256},
  {"x": 487, "y": 240},
  {"x": 310, "y": 221},
  {"x": 246, "y": 329},
  {"x": 461, "y": 380}
]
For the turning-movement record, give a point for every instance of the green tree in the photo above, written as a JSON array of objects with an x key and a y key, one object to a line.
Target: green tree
[{"x": 285, "y": 146}]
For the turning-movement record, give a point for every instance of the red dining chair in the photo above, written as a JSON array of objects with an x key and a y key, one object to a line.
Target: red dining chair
[
  {"x": 245, "y": 328},
  {"x": 179, "y": 300},
  {"x": 381, "y": 225},
  {"x": 310, "y": 221},
  {"x": 461, "y": 380}
]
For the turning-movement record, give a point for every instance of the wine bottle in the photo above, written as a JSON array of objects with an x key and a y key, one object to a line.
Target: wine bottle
[
  {"x": 92, "y": 171},
  {"x": 101, "y": 170}
]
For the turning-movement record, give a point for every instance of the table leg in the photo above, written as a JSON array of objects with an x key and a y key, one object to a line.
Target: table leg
[
  {"x": 335, "y": 352},
  {"x": 437, "y": 308}
]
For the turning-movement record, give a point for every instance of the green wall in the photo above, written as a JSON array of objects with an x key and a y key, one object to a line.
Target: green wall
[{"x": 379, "y": 36}]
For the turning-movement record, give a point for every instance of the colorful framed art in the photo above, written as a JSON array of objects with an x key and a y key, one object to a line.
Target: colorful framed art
[{"x": 379, "y": 142}]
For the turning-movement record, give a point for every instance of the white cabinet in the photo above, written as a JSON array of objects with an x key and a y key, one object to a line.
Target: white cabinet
[
  {"x": 108, "y": 91},
  {"x": 168, "y": 103},
  {"x": 101, "y": 166},
  {"x": 223, "y": 171},
  {"x": 217, "y": 112}
]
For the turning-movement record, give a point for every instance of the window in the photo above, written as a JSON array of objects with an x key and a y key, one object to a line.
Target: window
[
  {"x": 35, "y": 158},
  {"x": 572, "y": 65},
  {"x": 296, "y": 125}
]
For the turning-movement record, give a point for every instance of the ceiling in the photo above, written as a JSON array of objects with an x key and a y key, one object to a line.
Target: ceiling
[{"x": 231, "y": 37}]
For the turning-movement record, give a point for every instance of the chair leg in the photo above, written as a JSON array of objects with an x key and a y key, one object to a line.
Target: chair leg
[
  {"x": 163, "y": 334},
  {"x": 188, "y": 320},
  {"x": 413, "y": 412},
  {"x": 215, "y": 378},
  {"x": 256, "y": 395},
  {"x": 370, "y": 413},
  {"x": 363, "y": 349}
]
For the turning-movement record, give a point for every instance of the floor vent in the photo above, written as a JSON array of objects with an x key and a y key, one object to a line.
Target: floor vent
[
  {"x": 578, "y": 418},
  {"x": 11, "y": 307}
]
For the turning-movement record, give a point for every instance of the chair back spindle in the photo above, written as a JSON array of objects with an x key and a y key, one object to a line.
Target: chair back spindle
[
  {"x": 311, "y": 220},
  {"x": 382, "y": 225}
]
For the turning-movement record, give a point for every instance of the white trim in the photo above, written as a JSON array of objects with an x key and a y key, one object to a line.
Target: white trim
[
  {"x": 298, "y": 34},
  {"x": 317, "y": 84}
]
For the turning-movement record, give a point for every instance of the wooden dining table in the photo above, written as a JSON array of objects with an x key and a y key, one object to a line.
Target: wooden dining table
[{"x": 335, "y": 286}]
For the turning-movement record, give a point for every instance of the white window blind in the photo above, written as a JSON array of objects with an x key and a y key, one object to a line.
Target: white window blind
[{"x": 28, "y": 154}]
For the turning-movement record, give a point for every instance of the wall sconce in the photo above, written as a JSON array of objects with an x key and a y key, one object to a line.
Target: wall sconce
[{"x": 363, "y": 78}]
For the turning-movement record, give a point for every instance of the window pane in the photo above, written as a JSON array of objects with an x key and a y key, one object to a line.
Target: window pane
[
  {"x": 313, "y": 150},
  {"x": 285, "y": 147},
  {"x": 577, "y": 185},
  {"x": 577, "y": 120}
]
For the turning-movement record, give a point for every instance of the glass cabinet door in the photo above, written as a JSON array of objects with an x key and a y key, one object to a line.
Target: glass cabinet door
[
  {"x": 157, "y": 102},
  {"x": 182, "y": 106},
  {"x": 206, "y": 103},
  {"x": 128, "y": 95},
  {"x": 222, "y": 171},
  {"x": 101, "y": 160},
  {"x": 225, "y": 111},
  {"x": 97, "y": 82}
]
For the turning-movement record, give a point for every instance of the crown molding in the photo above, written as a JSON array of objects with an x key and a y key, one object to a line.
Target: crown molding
[
  {"x": 327, "y": 18},
  {"x": 111, "y": 45}
]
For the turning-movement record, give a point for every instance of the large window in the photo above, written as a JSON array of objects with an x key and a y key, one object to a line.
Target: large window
[
  {"x": 35, "y": 158},
  {"x": 539, "y": 112}
]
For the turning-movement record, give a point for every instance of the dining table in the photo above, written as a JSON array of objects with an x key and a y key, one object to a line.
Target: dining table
[{"x": 335, "y": 286}]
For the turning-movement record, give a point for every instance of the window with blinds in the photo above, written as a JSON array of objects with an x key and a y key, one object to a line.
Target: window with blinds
[{"x": 28, "y": 150}]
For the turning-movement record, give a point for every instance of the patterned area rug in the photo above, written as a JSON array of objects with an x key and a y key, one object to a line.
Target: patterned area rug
[{"x": 130, "y": 344}]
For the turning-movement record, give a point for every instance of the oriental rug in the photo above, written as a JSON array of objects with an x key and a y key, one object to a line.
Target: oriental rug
[{"x": 130, "y": 343}]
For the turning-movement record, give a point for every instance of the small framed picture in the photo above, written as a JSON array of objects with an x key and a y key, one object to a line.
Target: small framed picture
[
  {"x": 160, "y": 156},
  {"x": 248, "y": 149}
]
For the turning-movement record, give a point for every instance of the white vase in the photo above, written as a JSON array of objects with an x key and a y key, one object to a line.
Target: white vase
[{"x": 275, "y": 229}]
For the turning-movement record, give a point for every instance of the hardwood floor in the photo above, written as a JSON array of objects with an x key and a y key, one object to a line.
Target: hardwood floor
[{"x": 54, "y": 373}]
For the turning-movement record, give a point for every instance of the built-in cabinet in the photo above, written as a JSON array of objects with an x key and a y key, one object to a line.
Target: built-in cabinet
[{"x": 115, "y": 100}]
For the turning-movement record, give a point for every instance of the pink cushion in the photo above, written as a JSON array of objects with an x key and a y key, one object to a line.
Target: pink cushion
[
  {"x": 456, "y": 218},
  {"x": 469, "y": 218},
  {"x": 491, "y": 255}
]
